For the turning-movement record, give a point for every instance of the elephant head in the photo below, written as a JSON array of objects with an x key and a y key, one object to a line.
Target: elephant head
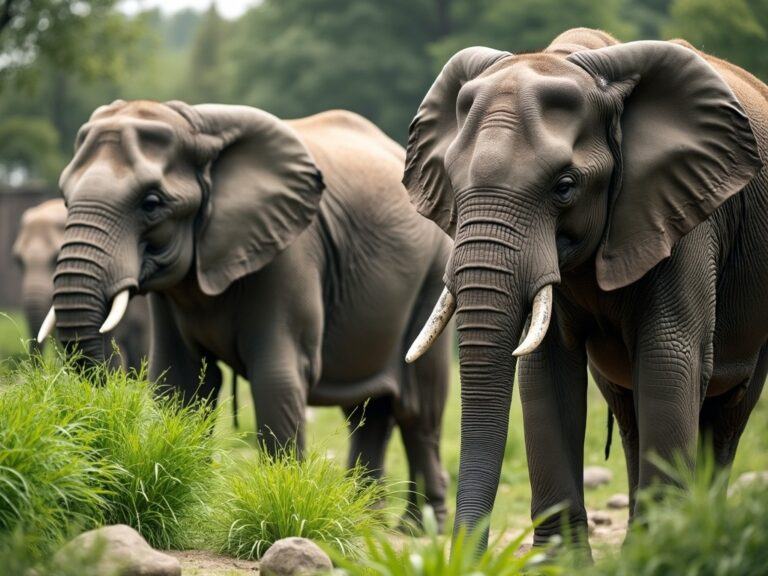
[
  {"x": 161, "y": 193},
  {"x": 538, "y": 164},
  {"x": 40, "y": 237}
]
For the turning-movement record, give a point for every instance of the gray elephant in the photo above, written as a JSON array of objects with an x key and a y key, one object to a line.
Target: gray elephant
[
  {"x": 37, "y": 245},
  {"x": 287, "y": 249},
  {"x": 616, "y": 192}
]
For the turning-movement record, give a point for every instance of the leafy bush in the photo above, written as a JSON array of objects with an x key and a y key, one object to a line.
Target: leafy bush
[
  {"x": 72, "y": 451},
  {"x": 432, "y": 558},
  {"x": 266, "y": 498},
  {"x": 696, "y": 529}
]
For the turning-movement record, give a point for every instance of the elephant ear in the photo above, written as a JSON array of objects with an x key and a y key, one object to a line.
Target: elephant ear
[
  {"x": 264, "y": 190},
  {"x": 686, "y": 147},
  {"x": 432, "y": 131}
]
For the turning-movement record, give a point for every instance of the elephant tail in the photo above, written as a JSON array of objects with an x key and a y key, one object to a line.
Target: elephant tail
[{"x": 609, "y": 434}]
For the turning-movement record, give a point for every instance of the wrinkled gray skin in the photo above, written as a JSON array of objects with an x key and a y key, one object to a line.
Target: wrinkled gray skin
[
  {"x": 37, "y": 245},
  {"x": 629, "y": 177},
  {"x": 287, "y": 249}
]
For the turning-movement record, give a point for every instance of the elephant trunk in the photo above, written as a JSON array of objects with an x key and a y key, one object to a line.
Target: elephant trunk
[
  {"x": 90, "y": 271},
  {"x": 37, "y": 294},
  {"x": 492, "y": 274}
]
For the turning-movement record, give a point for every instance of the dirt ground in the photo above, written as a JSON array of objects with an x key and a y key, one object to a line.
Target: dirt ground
[{"x": 606, "y": 535}]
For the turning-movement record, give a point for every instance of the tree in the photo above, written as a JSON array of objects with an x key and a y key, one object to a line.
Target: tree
[
  {"x": 297, "y": 57},
  {"x": 736, "y": 30},
  {"x": 29, "y": 150},
  {"x": 206, "y": 73},
  {"x": 88, "y": 38}
]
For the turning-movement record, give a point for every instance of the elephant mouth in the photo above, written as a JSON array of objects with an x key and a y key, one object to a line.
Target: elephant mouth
[{"x": 541, "y": 314}]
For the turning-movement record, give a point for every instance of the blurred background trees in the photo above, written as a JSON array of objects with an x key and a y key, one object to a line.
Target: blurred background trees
[{"x": 60, "y": 59}]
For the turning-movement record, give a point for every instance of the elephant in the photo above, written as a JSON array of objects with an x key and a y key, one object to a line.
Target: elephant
[
  {"x": 617, "y": 192},
  {"x": 287, "y": 249},
  {"x": 35, "y": 250}
]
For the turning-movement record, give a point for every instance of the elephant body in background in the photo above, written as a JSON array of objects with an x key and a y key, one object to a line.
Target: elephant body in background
[
  {"x": 35, "y": 250},
  {"x": 287, "y": 249},
  {"x": 617, "y": 190}
]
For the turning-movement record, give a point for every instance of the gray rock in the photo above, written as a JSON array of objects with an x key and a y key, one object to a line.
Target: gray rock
[
  {"x": 601, "y": 518},
  {"x": 591, "y": 525},
  {"x": 618, "y": 501},
  {"x": 748, "y": 479},
  {"x": 595, "y": 476},
  {"x": 295, "y": 557},
  {"x": 116, "y": 551}
]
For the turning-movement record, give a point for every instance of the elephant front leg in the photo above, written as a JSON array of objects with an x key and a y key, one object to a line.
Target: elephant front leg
[{"x": 553, "y": 392}]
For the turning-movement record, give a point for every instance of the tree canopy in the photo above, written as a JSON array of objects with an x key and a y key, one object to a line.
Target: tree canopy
[{"x": 60, "y": 59}]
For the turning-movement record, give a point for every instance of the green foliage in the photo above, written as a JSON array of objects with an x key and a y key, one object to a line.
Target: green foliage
[
  {"x": 206, "y": 59},
  {"x": 730, "y": 29},
  {"x": 528, "y": 25},
  {"x": 433, "y": 558},
  {"x": 19, "y": 555},
  {"x": 49, "y": 479},
  {"x": 85, "y": 37},
  {"x": 263, "y": 499},
  {"x": 75, "y": 453},
  {"x": 696, "y": 529},
  {"x": 31, "y": 145}
]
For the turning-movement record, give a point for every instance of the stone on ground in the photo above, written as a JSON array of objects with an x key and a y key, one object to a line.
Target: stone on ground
[
  {"x": 600, "y": 518},
  {"x": 117, "y": 551},
  {"x": 749, "y": 479},
  {"x": 595, "y": 476},
  {"x": 618, "y": 501},
  {"x": 294, "y": 557}
]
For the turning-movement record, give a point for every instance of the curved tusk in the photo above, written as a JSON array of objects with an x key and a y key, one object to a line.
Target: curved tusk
[
  {"x": 119, "y": 305},
  {"x": 540, "y": 317},
  {"x": 435, "y": 324},
  {"x": 48, "y": 325}
]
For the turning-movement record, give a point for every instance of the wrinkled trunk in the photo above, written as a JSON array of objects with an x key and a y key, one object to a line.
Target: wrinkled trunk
[
  {"x": 89, "y": 273},
  {"x": 36, "y": 302},
  {"x": 491, "y": 310}
]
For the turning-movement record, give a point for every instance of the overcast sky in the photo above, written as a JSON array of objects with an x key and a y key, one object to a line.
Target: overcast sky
[{"x": 227, "y": 8}]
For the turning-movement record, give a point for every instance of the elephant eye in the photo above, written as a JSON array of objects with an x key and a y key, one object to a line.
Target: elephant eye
[
  {"x": 151, "y": 202},
  {"x": 565, "y": 188}
]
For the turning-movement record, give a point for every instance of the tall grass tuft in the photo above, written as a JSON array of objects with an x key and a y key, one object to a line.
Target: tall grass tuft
[
  {"x": 431, "y": 557},
  {"x": 696, "y": 529},
  {"x": 266, "y": 498},
  {"x": 98, "y": 447}
]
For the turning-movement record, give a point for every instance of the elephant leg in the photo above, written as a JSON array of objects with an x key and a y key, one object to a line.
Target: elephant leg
[
  {"x": 724, "y": 418},
  {"x": 622, "y": 405},
  {"x": 429, "y": 377},
  {"x": 371, "y": 427},
  {"x": 421, "y": 436},
  {"x": 175, "y": 366},
  {"x": 279, "y": 394},
  {"x": 673, "y": 356},
  {"x": 553, "y": 392}
]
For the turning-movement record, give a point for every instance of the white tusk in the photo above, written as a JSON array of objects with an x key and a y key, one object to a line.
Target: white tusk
[
  {"x": 48, "y": 325},
  {"x": 435, "y": 324},
  {"x": 119, "y": 305},
  {"x": 540, "y": 317}
]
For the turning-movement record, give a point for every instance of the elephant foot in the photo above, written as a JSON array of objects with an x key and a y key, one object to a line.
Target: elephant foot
[{"x": 416, "y": 521}]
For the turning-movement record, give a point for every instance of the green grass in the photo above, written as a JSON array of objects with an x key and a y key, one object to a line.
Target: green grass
[
  {"x": 14, "y": 335},
  {"x": 78, "y": 454},
  {"x": 431, "y": 556},
  {"x": 119, "y": 457},
  {"x": 264, "y": 499},
  {"x": 696, "y": 530}
]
